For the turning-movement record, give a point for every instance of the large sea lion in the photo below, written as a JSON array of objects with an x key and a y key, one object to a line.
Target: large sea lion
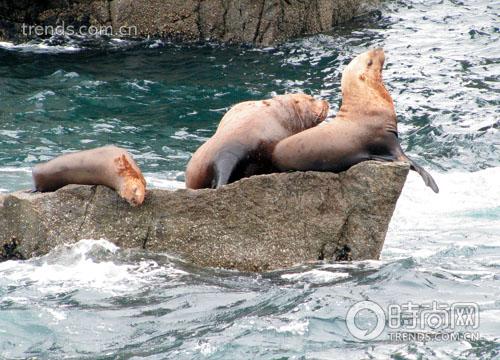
[
  {"x": 108, "y": 165},
  {"x": 365, "y": 127},
  {"x": 246, "y": 136}
]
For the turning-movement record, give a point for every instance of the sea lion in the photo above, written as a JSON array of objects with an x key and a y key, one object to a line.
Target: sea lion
[
  {"x": 244, "y": 140},
  {"x": 365, "y": 127},
  {"x": 108, "y": 165}
]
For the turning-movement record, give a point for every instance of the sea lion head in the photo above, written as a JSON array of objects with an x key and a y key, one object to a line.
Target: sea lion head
[
  {"x": 133, "y": 187},
  {"x": 133, "y": 191},
  {"x": 308, "y": 110},
  {"x": 365, "y": 67},
  {"x": 365, "y": 71}
]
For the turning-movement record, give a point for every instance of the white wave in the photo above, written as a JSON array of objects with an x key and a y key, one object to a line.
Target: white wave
[
  {"x": 465, "y": 212},
  {"x": 103, "y": 128},
  {"x": 12, "y": 169},
  {"x": 42, "y": 95},
  {"x": 92, "y": 83},
  {"x": 38, "y": 48},
  {"x": 58, "y": 315},
  {"x": 20, "y": 300},
  {"x": 205, "y": 348},
  {"x": 135, "y": 84},
  {"x": 72, "y": 45},
  {"x": 158, "y": 43},
  {"x": 361, "y": 264},
  {"x": 294, "y": 327},
  {"x": 65, "y": 74},
  {"x": 11, "y": 133},
  {"x": 316, "y": 276},
  {"x": 169, "y": 182},
  {"x": 460, "y": 194},
  {"x": 72, "y": 267}
]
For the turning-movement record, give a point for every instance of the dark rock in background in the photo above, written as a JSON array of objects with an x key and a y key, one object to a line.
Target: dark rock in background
[{"x": 259, "y": 22}]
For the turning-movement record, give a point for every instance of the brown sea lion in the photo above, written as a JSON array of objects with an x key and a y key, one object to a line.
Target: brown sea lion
[
  {"x": 246, "y": 136},
  {"x": 365, "y": 127},
  {"x": 108, "y": 165}
]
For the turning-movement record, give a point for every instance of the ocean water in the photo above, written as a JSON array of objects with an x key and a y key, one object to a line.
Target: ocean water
[{"x": 161, "y": 101}]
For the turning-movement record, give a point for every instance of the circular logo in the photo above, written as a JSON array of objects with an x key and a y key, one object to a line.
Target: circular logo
[
  {"x": 435, "y": 321},
  {"x": 363, "y": 334}
]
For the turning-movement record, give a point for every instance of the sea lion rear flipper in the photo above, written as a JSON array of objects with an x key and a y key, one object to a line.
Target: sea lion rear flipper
[
  {"x": 225, "y": 163},
  {"x": 428, "y": 179},
  {"x": 399, "y": 155}
]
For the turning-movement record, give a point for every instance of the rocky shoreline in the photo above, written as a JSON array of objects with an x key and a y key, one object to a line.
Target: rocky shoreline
[
  {"x": 259, "y": 223},
  {"x": 257, "y": 22}
]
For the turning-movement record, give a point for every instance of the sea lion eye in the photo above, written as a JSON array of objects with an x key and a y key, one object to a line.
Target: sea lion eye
[{"x": 370, "y": 62}]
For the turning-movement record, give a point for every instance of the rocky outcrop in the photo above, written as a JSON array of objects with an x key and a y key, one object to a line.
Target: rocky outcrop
[
  {"x": 260, "y": 22},
  {"x": 259, "y": 223}
]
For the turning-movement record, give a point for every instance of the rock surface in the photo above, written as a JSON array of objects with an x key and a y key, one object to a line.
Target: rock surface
[
  {"x": 259, "y": 223},
  {"x": 260, "y": 22}
]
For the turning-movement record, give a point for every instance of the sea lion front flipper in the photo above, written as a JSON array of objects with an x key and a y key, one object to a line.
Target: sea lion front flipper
[
  {"x": 225, "y": 163},
  {"x": 388, "y": 158}
]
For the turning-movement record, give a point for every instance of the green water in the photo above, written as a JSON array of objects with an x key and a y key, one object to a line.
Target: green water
[{"x": 162, "y": 101}]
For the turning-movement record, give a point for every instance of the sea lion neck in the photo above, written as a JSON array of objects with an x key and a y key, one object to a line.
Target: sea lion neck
[{"x": 371, "y": 102}]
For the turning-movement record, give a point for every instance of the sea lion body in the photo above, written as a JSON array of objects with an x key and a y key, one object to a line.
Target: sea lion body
[
  {"x": 364, "y": 129},
  {"x": 350, "y": 145},
  {"x": 109, "y": 166},
  {"x": 244, "y": 140}
]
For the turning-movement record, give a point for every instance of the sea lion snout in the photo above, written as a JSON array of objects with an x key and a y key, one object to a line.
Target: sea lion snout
[
  {"x": 318, "y": 109},
  {"x": 371, "y": 61},
  {"x": 321, "y": 110},
  {"x": 379, "y": 56},
  {"x": 365, "y": 69},
  {"x": 310, "y": 110},
  {"x": 378, "y": 53}
]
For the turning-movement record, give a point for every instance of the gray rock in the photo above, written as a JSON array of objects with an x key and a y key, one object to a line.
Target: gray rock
[
  {"x": 258, "y": 223},
  {"x": 260, "y": 22}
]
